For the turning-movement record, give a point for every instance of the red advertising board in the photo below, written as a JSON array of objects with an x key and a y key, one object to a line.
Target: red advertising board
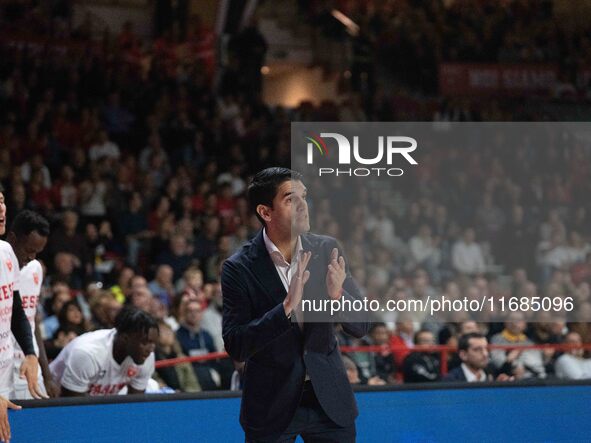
[{"x": 496, "y": 79}]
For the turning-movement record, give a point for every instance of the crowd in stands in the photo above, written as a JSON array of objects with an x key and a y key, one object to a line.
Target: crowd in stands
[
  {"x": 142, "y": 170},
  {"x": 410, "y": 38}
]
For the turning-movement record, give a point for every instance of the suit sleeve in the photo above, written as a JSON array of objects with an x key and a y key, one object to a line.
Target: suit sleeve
[{"x": 244, "y": 335}]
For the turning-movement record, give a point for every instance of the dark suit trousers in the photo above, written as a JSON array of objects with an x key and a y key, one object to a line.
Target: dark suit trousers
[{"x": 312, "y": 424}]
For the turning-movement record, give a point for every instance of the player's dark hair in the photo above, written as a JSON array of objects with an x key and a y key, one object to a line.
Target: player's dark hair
[
  {"x": 131, "y": 319},
  {"x": 28, "y": 221},
  {"x": 464, "y": 341},
  {"x": 264, "y": 184}
]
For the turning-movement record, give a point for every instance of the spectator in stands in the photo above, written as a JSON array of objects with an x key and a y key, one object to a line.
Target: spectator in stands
[
  {"x": 179, "y": 377},
  {"x": 122, "y": 289},
  {"x": 105, "y": 308},
  {"x": 67, "y": 239},
  {"x": 525, "y": 363},
  {"x": 32, "y": 166},
  {"x": 153, "y": 150},
  {"x": 425, "y": 252},
  {"x": 376, "y": 364},
  {"x": 548, "y": 328},
  {"x": 553, "y": 254},
  {"x": 421, "y": 366},
  {"x": 490, "y": 218},
  {"x": 103, "y": 148},
  {"x": 467, "y": 256},
  {"x": 141, "y": 298},
  {"x": 212, "y": 316},
  {"x": 475, "y": 367},
  {"x": 118, "y": 120},
  {"x": 162, "y": 287},
  {"x": 192, "y": 279},
  {"x": 206, "y": 242},
  {"x": 93, "y": 193},
  {"x": 403, "y": 339},
  {"x": 176, "y": 256},
  {"x": 196, "y": 341},
  {"x": 138, "y": 281},
  {"x": 51, "y": 323},
  {"x": 353, "y": 374},
  {"x": 133, "y": 226},
  {"x": 214, "y": 263},
  {"x": 64, "y": 265},
  {"x": 71, "y": 319},
  {"x": 515, "y": 242},
  {"x": 572, "y": 365}
]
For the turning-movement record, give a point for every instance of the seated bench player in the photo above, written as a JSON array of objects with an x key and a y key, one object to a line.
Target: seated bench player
[{"x": 103, "y": 362}]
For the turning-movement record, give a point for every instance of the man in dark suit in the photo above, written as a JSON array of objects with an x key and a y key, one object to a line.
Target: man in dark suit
[
  {"x": 476, "y": 366},
  {"x": 294, "y": 380}
]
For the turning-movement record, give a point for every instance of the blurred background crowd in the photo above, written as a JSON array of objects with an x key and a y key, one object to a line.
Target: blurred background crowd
[{"x": 139, "y": 151}]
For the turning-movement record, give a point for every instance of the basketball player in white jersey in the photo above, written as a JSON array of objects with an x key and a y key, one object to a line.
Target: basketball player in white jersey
[
  {"x": 105, "y": 361},
  {"x": 30, "y": 224},
  {"x": 13, "y": 319}
]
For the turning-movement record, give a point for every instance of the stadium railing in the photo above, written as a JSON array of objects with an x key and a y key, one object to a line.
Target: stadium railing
[{"x": 443, "y": 350}]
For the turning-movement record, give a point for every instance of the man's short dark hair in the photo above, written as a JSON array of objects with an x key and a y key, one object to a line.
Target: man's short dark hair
[
  {"x": 264, "y": 184},
  {"x": 421, "y": 332},
  {"x": 131, "y": 320},
  {"x": 464, "y": 341},
  {"x": 376, "y": 325},
  {"x": 28, "y": 221}
]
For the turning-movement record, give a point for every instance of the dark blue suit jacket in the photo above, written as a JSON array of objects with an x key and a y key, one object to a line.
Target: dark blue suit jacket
[
  {"x": 456, "y": 374},
  {"x": 276, "y": 351}
]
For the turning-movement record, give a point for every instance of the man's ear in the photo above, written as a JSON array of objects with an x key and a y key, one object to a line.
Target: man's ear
[{"x": 264, "y": 212}]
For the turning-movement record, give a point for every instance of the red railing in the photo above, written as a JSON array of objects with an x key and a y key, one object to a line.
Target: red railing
[{"x": 443, "y": 350}]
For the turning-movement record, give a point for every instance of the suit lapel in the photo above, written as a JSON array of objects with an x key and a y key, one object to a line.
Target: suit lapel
[{"x": 264, "y": 270}]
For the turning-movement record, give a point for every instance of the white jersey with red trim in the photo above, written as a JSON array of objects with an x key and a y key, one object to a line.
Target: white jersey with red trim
[
  {"x": 30, "y": 281},
  {"x": 9, "y": 279},
  {"x": 86, "y": 364}
]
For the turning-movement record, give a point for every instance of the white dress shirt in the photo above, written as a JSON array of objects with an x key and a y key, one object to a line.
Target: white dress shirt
[
  {"x": 285, "y": 269},
  {"x": 471, "y": 377}
]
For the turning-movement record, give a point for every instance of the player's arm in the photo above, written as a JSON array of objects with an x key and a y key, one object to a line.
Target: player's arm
[
  {"x": 21, "y": 329},
  {"x": 80, "y": 370},
  {"x": 20, "y": 326},
  {"x": 52, "y": 388}
]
